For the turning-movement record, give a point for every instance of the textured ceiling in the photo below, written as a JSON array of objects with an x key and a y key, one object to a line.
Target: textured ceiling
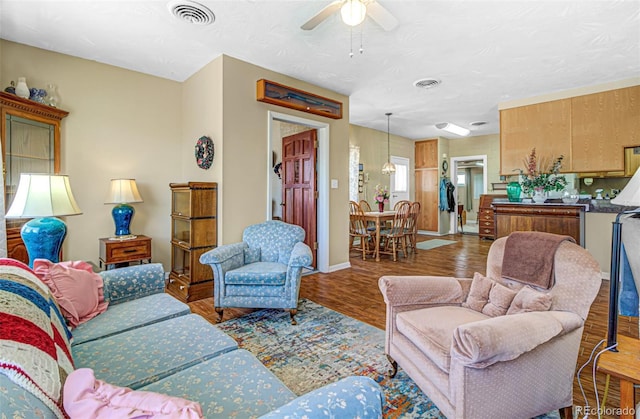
[{"x": 485, "y": 52}]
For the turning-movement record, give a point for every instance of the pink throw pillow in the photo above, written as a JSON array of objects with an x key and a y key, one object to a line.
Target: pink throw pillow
[
  {"x": 479, "y": 292},
  {"x": 86, "y": 397},
  {"x": 500, "y": 298},
  {"x": 529, "y": 299},
  {"x": 77, "y": 289}
]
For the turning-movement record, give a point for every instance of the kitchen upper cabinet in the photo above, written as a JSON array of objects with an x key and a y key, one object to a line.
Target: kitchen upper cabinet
[
  {"x": 590, "y": 131},
  {"x": 545, "y": 126},
  {"x": 426, "y": 154},
  {"x": 602, "y": 125},
  {"x": 426, "y": 184}
]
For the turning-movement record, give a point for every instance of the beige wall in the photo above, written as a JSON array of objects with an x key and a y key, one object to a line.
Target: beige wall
[
  {"x": 127, "y": 124},
  {"x": 247, "y": 159},
  {"x": 201, "y": 106},
  {"x": 373, "y": 154},
  {"x": 480, "y": 145},
  {"x": 121, "y": 124},
  {"x": 445, "y": 218},
  {"x": 597, "y": 235}
]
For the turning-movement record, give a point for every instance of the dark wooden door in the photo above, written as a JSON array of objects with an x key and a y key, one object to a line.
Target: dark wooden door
[{"x": 299, "y": 184}]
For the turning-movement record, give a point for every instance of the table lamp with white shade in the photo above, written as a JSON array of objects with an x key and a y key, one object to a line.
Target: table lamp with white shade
[
  {"x": 123, "y": 192},
  {"x": 629, "y": 197},
  {"x": 43, "y": 197}
]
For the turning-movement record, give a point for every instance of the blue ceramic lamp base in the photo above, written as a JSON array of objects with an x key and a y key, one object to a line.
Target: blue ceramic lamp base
[
  {"x": 43, "y": 238},
  {"x": 122, "y": 215}
]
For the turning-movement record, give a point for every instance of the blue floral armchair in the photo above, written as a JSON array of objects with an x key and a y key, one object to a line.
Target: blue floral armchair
[{"x": 263, "y": 271}]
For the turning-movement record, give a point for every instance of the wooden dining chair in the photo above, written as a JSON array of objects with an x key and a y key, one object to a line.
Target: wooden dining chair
[
  {"x": 411, "y": 228},
  {"x": 399, "y": 203},
  {"x": 364, "y": 205},
  {"x": 394, "y": 237},
  {"x": 358, "y": 228}
]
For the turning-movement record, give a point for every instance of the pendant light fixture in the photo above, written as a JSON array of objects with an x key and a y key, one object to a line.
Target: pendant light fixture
[{"x": 388, "y": 167}]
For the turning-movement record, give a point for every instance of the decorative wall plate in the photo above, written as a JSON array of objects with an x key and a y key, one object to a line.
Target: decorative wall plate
[{"x": 204, "y": 152}]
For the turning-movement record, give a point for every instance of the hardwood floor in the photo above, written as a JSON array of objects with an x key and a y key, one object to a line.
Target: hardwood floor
[{"x": 354, "y": 292}]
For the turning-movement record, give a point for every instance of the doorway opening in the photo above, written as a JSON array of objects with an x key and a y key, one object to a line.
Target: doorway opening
[
  {"x": 274, "y": 194},
  {"x": 399, "y": 180},
  {"x": 469, "y": 174}
]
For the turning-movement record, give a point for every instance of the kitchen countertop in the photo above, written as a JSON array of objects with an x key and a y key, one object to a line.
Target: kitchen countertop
[
  {"x": 591, "y": 205},
  {"x": 605, "y": 205}
]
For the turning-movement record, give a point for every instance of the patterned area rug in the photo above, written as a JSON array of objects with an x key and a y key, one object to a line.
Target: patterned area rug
[
  {"x": 324, "y": 347},
  {"x": 432, "y": 244}
]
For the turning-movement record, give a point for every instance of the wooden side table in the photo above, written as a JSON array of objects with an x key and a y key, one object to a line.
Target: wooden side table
[
  {"x": 115, "y": 253},
  {"x": 625, "y": 365}
]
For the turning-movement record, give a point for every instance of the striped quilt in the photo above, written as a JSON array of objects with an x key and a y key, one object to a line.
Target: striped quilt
[{"x": 35, "y": 350}]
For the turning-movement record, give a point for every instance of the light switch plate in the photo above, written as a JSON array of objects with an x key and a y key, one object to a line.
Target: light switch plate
[{"x": 334, "y": 183}]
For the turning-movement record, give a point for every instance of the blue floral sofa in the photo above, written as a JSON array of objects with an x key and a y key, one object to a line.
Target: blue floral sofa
[
  {"x": 262, "y": 271},
  {"x": 147, "y": 340}
]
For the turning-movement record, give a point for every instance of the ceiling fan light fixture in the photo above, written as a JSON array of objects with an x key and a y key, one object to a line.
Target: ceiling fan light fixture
[
  {"x": 453, "y": 129},
  {"x": 353, "y": 12}
]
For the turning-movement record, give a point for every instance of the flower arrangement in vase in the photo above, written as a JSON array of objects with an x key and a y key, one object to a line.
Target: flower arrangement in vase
[
  {"x": 541, "y": 176},
  {"x": 382, "y": 196}
]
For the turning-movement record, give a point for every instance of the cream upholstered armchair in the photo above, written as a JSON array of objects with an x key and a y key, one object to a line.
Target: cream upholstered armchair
[
  {"x": 485, "y": 364},
  {"x": 262, "y": 271}
]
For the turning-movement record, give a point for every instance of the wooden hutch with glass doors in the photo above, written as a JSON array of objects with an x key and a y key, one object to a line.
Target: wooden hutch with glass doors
[{"x": 30, "y": 144}]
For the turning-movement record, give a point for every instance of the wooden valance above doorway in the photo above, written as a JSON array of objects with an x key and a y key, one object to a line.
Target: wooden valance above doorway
[{"x": 289, "y": 97}]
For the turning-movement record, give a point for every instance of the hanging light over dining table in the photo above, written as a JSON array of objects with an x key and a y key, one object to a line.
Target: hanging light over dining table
[{"x": 388, "y": 168}]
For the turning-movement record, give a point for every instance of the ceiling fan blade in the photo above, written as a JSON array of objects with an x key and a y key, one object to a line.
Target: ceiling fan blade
[
  {"x": 322, "y": 15},
  {"x": 381, "y": 16}
]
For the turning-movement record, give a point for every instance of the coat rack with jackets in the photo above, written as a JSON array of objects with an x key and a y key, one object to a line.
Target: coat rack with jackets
[{"x": 447, "y": 197}]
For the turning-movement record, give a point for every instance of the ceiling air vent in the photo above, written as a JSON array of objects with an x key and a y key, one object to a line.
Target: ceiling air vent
[
  {"x": 478, "y": 123},
  {"x": 426, "y": 83},
  {"x": 191, "y": 12}
]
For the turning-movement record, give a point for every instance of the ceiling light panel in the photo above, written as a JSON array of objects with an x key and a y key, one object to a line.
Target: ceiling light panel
[{"x": 453, "y": 129}]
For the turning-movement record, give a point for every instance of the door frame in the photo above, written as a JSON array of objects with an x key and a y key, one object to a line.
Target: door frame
[
  {"x": 453, "y": 222},
  {"x": 322, "y": 166}
]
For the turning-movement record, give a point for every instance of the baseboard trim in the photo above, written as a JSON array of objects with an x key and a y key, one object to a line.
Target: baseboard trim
[
  {"x": 339, "y": 267},
  {"x": 430, "y": 233}
]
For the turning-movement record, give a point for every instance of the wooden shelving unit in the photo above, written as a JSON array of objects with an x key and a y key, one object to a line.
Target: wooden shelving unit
[{"x": 193, "y": 232}]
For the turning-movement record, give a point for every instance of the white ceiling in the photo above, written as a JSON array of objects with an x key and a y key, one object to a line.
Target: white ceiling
[{"x": 485, "y": 52}]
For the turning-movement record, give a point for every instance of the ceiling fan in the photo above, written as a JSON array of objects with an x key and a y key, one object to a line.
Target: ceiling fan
[{"x": 353, "y": 13}]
